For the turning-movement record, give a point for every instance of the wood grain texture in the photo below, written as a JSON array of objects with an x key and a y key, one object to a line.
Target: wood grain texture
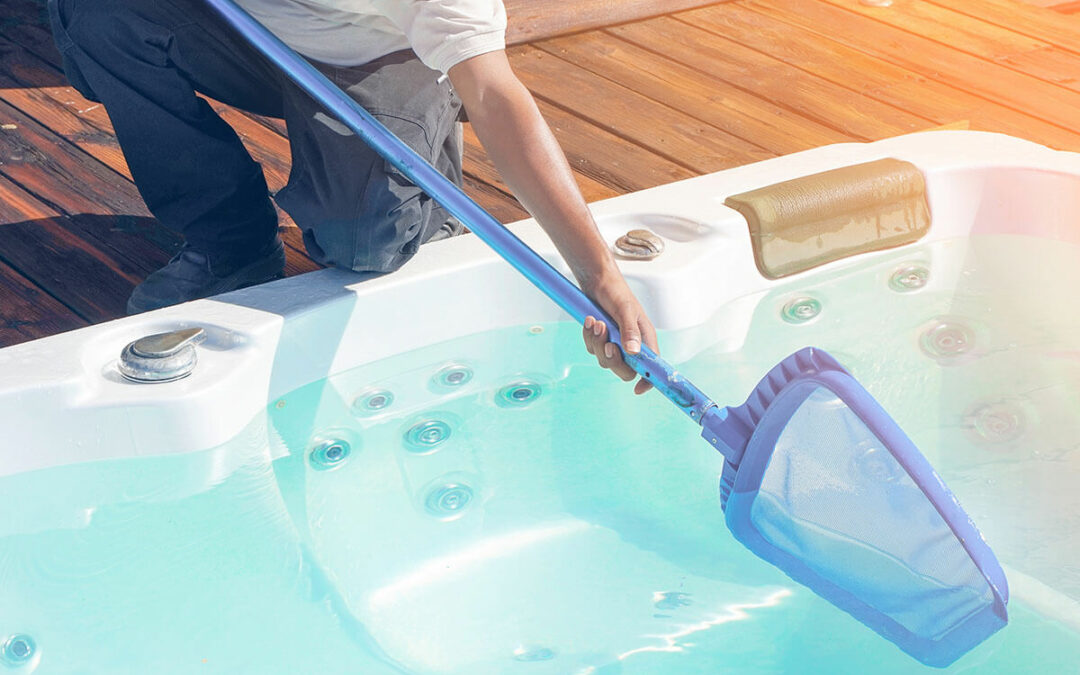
[
  {"x": 659, "y": 128},
  {"x": 72, "y": 182},
  {"x": 964, "y": 32},
  {"x": 61, "y": 256},
  {"x": 975, "y": 36},
  {"x": 27, "y": 312},
  {"x": 875, "y": 76},
  {"x": 1043, "y": 24},
  {"x": 531, "y": 20},
  {"x": 707, "y": 97},
  {"x": 930, "y": 59},
  {"x": 841, "y": 108},
  {"x": 608, "y": 159}
]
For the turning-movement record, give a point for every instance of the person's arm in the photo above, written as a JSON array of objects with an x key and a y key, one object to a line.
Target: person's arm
[{"x": 505, "y": 118}]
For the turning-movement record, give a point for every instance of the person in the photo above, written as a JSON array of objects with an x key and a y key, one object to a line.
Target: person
[{"x": 417, "y": 65}]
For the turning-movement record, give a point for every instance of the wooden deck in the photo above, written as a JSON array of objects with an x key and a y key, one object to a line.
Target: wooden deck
[{"x": 635, "y": 105}]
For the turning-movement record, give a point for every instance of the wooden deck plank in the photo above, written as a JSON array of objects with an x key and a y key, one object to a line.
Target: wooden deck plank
[
  {"x": 27, "y": 312},
  {"x": 54, "y": 253},
  {"x": 974, "y": 36},
  {"x": 607, "y": 158},
  {"x": 969, "y": 33},
  {"x": 1046, "y": 25},
  {"x": 1052, "y": 64},
  {"x": 700, "y": 95},
  {"x": 945, "y": 103},
  {"x": 658, "y": 128},
  {"x": 964, "y": 32},
  {"x": 72, "y": 182},
  {"x": 802, "y": 49},
  {"x": 42, "y": 93},
  {"x": 531, "y": 20},
  {"x": 930, "y": 59},
  {"x": 843, "y": 109}
]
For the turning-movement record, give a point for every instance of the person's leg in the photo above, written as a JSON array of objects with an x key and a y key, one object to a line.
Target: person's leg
[
  {"x": 356, "y": 210},
  {"x": 145, "y": 61}
]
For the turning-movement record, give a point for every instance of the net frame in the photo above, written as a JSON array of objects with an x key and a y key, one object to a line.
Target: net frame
[{"x": 752, "y": 430}]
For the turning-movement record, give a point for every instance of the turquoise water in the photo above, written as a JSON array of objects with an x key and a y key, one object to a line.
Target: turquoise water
[{"x": 529, "y": 515}]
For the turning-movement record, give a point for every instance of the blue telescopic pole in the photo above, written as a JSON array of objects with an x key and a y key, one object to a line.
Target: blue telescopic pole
[{"x": 545, "y": 277}]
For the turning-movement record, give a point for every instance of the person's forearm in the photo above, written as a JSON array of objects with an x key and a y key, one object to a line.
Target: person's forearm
[
  {"x": 525, "y": 152},
  {"x": 530, "y": 161}
]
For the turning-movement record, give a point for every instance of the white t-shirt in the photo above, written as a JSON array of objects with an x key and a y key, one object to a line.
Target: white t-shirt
[{"x": 443, "y": 33}]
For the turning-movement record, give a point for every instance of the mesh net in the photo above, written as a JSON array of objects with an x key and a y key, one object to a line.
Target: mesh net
[{"x": 834, "y": 497}]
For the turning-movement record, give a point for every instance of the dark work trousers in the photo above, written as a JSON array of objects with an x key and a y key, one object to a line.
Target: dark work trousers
[{"x": 146, "y": 61}]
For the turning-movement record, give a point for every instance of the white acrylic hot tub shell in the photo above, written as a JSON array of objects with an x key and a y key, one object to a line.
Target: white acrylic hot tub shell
[{"x": 62, "y": 400}]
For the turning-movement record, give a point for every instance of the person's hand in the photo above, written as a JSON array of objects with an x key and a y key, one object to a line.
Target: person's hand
[{"x": 615, "y": 298}]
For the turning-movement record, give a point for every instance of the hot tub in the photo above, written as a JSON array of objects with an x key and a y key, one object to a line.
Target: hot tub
[{"x": 426, "y": 473}]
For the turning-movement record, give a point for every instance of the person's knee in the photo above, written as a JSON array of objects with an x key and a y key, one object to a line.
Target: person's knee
[
  {"x": 358, "y": 211},
  {"x": 374, "y": 229}
]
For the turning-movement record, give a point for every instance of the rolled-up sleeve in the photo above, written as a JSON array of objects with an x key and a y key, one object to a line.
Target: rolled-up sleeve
[{"x": 443, "y": 33}]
